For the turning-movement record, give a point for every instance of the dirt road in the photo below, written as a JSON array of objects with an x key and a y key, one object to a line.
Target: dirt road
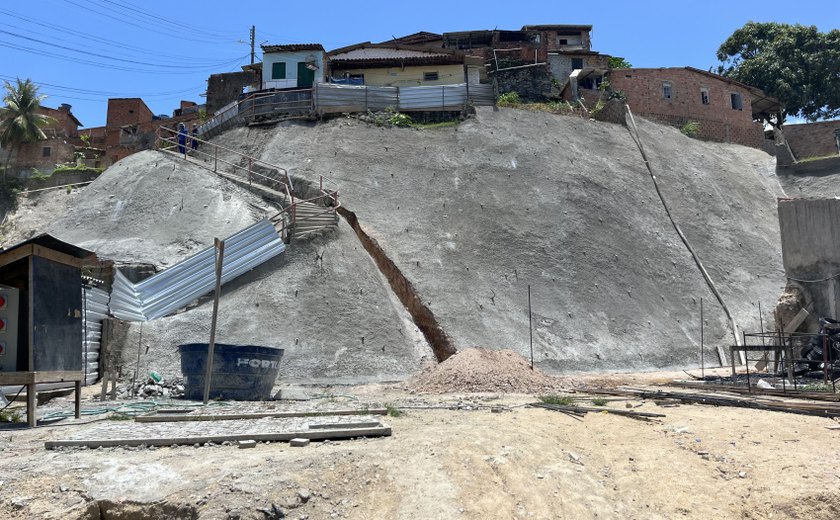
[{"x": 697, "y": 462}]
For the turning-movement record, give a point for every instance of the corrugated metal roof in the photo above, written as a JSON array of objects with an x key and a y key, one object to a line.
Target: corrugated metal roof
[
  {"x": 293, "y": 47},
  {"x": 378, "y": 53},
  {"x": 170, "y": 290}
]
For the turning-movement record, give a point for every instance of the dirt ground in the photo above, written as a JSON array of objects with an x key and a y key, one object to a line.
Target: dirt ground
[{"x": 450, "y": 456}]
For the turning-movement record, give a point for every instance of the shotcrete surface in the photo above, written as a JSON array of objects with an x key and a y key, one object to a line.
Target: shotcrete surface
[{"x": 473, "y": 214}]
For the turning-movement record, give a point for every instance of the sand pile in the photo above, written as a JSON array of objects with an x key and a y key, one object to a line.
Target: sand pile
[{"x": 481, "y": 370}]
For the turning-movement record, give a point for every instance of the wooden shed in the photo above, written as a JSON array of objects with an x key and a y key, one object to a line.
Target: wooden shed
[{"x": 41, "y": 315}]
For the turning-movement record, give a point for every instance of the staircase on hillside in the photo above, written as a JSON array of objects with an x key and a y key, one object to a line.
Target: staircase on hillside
[
  {"x": 307, "y": 210},
  {"x": 260, "y": 108}
]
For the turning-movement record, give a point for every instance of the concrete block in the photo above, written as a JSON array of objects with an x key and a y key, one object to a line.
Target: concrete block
[
  {"x": 247, "y": 444},
  {"x": 297, "y": 443}
]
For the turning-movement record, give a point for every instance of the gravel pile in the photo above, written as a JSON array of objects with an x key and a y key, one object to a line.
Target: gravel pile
[{"x": 482, "y": 370}]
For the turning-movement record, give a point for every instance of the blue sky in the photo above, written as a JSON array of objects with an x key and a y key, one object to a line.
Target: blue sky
[{"x": 84, "y": 51}]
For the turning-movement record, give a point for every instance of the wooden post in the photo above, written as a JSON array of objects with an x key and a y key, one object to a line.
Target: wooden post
[
  {"x": 530, "y": 327},
  {"x": 702, "y": 350},
  {"x": 208, "y": 374},
  {"x": 31, "y": 404}
]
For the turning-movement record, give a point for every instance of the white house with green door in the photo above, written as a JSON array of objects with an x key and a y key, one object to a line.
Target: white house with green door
[{"x": 298, "y": 65}]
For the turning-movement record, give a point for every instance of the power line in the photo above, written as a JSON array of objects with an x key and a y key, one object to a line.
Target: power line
[
  {"x": 106, "y": 57},
  {"x": 108, "y": 65},
  {"x": 145, "y": 28},
  {"x": 85, "y": 37},
  {"x": 174, "y": 23},
  {"x": 106, "y": 92}
]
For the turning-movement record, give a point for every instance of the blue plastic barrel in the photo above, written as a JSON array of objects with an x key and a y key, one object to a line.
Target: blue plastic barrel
[{"x": 240, "y": 372}]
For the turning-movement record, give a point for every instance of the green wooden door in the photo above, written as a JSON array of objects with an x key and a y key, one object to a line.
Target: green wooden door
[{"x": 306, "y": 76}]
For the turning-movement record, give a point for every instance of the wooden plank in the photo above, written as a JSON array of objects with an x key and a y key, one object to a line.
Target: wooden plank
[
  {"x": 25, "y": 378},
  {"x": 333, "y": 426},
  {"x": 31, "y": 405},
  {"x": 346, "y": 433},
  {"x": 56, "y": 256},
  {"x": 257, "y": 415},
  {"x": 15, "y": 255}
]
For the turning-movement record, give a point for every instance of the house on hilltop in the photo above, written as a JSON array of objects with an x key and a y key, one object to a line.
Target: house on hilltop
[
  {"x": 298, "y": 65},
  {"x": 396, "y": 65},
  {"x": 724, "y": 109}
]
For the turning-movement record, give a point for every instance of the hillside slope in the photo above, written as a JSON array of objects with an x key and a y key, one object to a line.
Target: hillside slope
[
  {"x": 475, "y": 213},
  {"x": 470, "y": 216}
]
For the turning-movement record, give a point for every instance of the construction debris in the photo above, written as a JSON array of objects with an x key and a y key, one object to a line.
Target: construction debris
[{"x": 582, "y": 410}]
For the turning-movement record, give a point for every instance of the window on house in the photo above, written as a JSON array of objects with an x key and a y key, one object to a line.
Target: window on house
[
  {"x": 577, "y": 63},
  {"x": 667, "y": 90},
  {"x": 430, "y": 76},
  {"x": 736, "y": 101},
  {"x": 562, "y": 41},
  {"x": 46, "y": 151},
  {"x": 704, "y": 96},
  {"x": 278, "y": 70}
]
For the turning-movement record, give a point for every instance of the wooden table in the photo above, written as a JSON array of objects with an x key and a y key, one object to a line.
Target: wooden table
[{"x": 31, "y": 379}]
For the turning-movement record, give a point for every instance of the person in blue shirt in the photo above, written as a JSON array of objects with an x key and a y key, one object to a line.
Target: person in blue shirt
[{"x": 182, "y": 138}]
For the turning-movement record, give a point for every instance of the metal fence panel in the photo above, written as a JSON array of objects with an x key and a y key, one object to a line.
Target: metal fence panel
[
  {"x": 331, "y": 98},
  {"x": 95, "y": 309},
  {"x": 195, "y": 276}
]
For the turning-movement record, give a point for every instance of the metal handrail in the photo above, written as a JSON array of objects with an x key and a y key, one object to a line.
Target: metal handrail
[{"x": 167, "y": 139}]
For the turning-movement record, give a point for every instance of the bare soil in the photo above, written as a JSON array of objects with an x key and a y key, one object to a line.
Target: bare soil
[{"x": 451, "y": 457}]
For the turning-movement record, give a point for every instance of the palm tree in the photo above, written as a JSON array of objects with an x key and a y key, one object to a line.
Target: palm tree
[{"x": 20, "y": 121}]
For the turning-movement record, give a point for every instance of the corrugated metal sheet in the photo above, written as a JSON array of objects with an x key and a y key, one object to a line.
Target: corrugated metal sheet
[
  {"x": 372, "y": 53},
  {"x": 169, "y": 290},
  {"x": 95, "y": 307},
  {"x": 350, "y": 98},
  {"x": 222, "y": 116}
]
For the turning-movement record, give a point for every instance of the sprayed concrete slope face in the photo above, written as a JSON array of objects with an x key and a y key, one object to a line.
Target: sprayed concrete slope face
[
  {"x": 323, "y": 301},
  {"x": 724, "y": 198},
  {"x": 154, "y": 209},
  {"x": 471, "y": 215}
]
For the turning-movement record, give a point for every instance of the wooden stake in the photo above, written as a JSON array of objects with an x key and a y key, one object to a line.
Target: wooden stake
[
  {"x": 530, "y": 327},
  {"x": 220, "y": 254}
]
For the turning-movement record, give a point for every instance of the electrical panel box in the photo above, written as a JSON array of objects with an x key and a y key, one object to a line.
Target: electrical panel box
[{"x": 9, "y": 308}]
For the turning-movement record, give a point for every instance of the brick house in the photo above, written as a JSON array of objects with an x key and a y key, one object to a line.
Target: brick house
[
  {"x": 813, "y": 139},
  {"x": 130, "y": 127},
  {"x": 726, "y": 110},
  {"x": 397, "y": 65},
  {"x": 59, "y": 147}
]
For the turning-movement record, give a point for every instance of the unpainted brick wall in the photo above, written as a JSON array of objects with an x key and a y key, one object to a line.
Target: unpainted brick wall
[
  {"x": 532, "y": 82},
  {"x": 718, "y": 120},
  {"x": 812, "y": 139}
]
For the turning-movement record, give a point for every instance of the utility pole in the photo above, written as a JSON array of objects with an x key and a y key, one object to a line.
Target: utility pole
[{"x": 253, "y": 37}]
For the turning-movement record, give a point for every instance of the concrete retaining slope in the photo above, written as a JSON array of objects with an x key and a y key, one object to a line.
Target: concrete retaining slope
[
  {"x": 473, "y": 214},
  {"x": 155, "y": 209},
  {"x": 323, "y": 301}
]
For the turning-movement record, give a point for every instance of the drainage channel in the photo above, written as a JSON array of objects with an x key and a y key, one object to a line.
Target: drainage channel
[{"x": 422, "y": 315}]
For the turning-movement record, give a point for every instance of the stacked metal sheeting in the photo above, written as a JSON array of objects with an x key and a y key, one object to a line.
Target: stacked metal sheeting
[
  {"x": 172, "y": 289},
  {"x": 95, "y": 307}
]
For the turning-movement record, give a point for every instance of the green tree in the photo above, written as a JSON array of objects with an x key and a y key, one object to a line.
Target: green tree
[
  {"x": 799, "y": 65},
  {"x": 20, "y": 121},
  {"x": 619, "y": 63}
]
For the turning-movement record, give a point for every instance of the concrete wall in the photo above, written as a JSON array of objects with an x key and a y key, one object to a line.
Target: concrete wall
[
  {"x": 561, "y": 64},
  {"x": 811, "y": 248},
  {"x": 225, "y": 88},
  {"x": 532, "y": 82},
  {"x": 410, "y": 76},
  {"x": 813, "y": 139},
  {"x": 291, "y": 59},
  {"x": 718, "y": 120}
]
